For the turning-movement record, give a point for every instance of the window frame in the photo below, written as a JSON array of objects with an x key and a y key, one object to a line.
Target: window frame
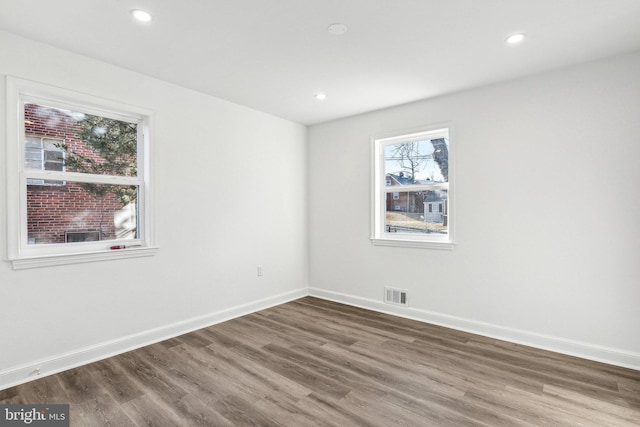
[
  {"x": 24, "y": 255},
  {"x": 379, "y": 235}
]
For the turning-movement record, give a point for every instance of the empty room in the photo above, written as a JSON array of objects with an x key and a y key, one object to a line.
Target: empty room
[{"x": 320, "y": 213}]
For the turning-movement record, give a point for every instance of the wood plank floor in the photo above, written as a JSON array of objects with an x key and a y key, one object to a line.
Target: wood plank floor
[{"x": 317, "y": 363}]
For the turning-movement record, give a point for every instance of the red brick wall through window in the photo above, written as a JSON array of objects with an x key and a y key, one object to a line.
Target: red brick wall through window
[{"x": 53, "y": 210}]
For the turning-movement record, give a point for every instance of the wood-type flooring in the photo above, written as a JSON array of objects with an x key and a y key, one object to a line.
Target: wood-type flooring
[{"x": 312, "y": 362}]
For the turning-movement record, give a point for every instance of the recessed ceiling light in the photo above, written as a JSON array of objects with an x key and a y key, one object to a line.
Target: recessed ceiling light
[
  {"x": 337, "y": 29},
  {"x": 141, "y": 15},
  {"x": 515, "y": 38},
  {"x": 320, "y": 96}
]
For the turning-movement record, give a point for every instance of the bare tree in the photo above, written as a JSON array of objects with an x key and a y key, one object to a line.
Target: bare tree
[{"x": 409, "y": 158}]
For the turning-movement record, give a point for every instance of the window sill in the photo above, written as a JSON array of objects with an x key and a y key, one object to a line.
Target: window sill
[
  {"x": 447, "y": 246},
  {"x": 53, "y": 260}
]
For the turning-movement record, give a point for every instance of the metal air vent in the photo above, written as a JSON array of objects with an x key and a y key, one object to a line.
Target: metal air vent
[{"x": 395, "y": 296}]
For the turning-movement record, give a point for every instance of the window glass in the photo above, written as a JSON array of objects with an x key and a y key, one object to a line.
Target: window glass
[
  {"x": 85, "y": 143},
  {"x": 108, "y": 210},
  {"x": 417, "y": 162},
  {"x": 70, "y": 141},
  {"x": 412, "y": 196},
  {"x": 416, "y": 212}
]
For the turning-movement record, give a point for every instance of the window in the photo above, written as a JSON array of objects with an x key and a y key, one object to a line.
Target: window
[
  {"x": 43, "y": 154},
  {"x": 78, "y": 177},
  {"x": 416, "y": 210}
]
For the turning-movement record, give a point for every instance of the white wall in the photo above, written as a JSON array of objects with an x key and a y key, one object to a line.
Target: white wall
[
  {"x": 547, "y": 221},
  {"x": 231, "y": 193}
]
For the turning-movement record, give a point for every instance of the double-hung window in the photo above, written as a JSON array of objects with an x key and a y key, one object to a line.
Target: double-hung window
[
  {"x": 412, "y": 202},
  {"x": 78, "y": 177}
]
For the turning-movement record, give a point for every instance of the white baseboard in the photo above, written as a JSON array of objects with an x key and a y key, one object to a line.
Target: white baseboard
[
  {"x": 61, "y": 362},
  {"x": 583, "y": 350},
  {"x": 27, "y": 372}
]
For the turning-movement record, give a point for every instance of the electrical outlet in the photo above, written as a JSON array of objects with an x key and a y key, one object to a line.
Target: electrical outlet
[{"x": 260, "y": 271}]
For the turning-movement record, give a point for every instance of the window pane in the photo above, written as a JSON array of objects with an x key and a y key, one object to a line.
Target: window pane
[
  {"x": 417, "y": 212},
  {"x": 33, "y": 142},
  {"x": 33, "y": 158},
  {"x": 53, "y": 160},
  {"x": 71, "y": 212},
  {"x": 92, "y": 144},
  {"x": 53, "y": 156},
  {"x": 52, "y": 144},
  {"x": 423, "y": 161},
  {"x": 53, "y": 166}
]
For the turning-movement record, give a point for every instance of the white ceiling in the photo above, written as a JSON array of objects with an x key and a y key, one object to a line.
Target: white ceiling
[{"x": 274, "y": 55}]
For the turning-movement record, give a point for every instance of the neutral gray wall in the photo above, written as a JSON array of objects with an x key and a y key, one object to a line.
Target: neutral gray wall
[{"x": 548, "y": 212}]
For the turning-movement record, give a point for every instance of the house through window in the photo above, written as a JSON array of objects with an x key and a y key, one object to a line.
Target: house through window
[
  {"x": 81, "y": 184},
  {"x": 96, "y": 147},
  {"x": 412, "y": 192}
]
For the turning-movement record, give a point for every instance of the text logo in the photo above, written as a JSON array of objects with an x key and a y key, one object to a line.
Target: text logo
[{"x": 34, "y": 415}]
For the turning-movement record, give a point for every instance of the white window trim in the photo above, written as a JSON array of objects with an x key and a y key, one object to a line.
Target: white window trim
[
  {"x": 19, "y": 253},
  {"x": 379, "y": 190}
]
